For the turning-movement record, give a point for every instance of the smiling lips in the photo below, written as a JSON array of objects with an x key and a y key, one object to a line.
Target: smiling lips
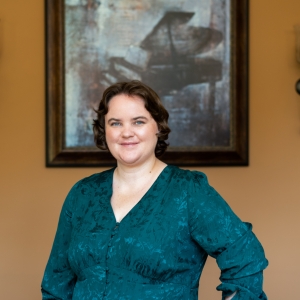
[{"x": 128, "y": 144}]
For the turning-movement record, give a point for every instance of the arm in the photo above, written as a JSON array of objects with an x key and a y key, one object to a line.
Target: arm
[
  {"x": 59, "y": 279},
  {"x": 225, "y": 237}
]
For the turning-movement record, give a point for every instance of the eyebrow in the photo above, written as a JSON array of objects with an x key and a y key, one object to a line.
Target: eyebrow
[
  {"x": 140, "y": 117},
  {"x": 113, "y": 119}
]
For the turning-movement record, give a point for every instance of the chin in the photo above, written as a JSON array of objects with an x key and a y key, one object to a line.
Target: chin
[{"x": 129, "y": 159}]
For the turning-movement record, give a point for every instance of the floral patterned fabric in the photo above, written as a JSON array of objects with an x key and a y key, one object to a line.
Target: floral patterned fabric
[{"x": 159, "y": 248}]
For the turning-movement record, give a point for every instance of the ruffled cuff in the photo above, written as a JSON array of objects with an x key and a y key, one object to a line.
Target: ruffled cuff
[{"x": 241, "y": 293}]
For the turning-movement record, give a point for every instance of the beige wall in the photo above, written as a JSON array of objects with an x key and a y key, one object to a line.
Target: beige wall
[{"x": 267, "y": 193}]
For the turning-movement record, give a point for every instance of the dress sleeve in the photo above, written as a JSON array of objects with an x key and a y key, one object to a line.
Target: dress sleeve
[
  {"x": 59, "y": 279},
  {"x": 238, "y": 253}
]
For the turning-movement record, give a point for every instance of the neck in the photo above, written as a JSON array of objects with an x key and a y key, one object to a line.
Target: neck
[{"x": 129, "y": 173}]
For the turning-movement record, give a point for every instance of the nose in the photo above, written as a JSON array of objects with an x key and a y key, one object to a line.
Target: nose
[{"x": 127, "y": 131}]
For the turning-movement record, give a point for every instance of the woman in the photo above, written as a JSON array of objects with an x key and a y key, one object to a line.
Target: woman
[{"x": 143, "y": 230}]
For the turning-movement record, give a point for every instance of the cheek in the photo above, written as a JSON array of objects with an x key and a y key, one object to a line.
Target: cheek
[
  {"x": 109, "y": 135},
  {"x": 150, "y": 133}
]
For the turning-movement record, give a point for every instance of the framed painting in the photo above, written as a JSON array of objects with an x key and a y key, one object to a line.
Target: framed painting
[{"x": 193, "y": 53}]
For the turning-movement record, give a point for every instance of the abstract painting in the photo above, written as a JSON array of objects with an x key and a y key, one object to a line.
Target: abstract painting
[{"x": 188, "y": 51}]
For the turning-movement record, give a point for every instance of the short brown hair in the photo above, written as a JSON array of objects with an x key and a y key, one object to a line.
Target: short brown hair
[{"x": 152, "y": 103}]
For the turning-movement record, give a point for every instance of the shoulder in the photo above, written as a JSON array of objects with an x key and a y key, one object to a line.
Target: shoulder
[
  {"x": 87, "y": 187},
  {"x": 95, "y": 179},
  {"x": 198, "y": 191},
  {"x": 188, "y": 178}
]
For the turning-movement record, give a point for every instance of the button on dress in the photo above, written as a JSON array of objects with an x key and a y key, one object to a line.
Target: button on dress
[{"x": 158, "y": 250}]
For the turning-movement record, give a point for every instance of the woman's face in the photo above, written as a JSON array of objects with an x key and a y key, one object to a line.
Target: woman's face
[{"x": 130, "y": 130}]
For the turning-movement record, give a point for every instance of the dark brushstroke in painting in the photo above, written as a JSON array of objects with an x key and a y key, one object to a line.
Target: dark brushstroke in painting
[{"x": 175, "y": 57}]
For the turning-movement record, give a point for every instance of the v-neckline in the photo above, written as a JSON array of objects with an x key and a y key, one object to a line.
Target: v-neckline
[{"x": 135, "y": 207}]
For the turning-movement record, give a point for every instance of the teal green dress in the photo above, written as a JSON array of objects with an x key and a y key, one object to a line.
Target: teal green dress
[{"x": 158, "y": 250}]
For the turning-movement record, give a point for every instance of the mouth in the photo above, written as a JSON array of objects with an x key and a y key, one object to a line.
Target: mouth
[{"x": 128, "y": 144}]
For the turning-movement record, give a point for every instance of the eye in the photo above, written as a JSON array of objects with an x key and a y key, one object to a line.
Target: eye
[
  {"x": 115, "y": 124},
  {"x": 139, "y": 122}
]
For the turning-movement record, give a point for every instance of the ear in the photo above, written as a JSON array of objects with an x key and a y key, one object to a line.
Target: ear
[{"x": 158, "y": 129}]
